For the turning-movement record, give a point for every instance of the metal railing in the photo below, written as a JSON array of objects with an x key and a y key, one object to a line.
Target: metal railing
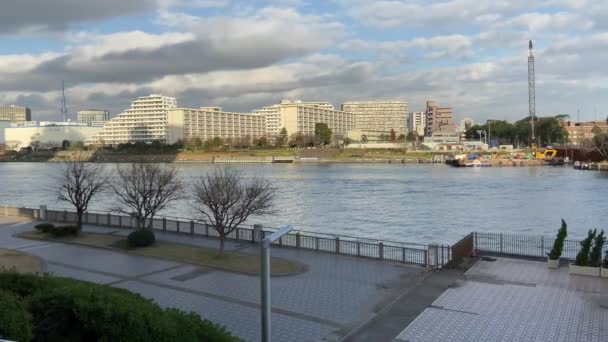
[
  {"x": 523, "y": 245},
  {"x": 435, "y": 256}
]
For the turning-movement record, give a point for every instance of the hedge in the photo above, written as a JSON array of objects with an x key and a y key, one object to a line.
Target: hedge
[
  {"x": 69, "y": 310},
  {"x": 15, "y": 321},
  {"x": 141, "y": 238}
]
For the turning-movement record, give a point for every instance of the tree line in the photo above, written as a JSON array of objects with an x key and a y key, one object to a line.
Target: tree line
[{"x": 548, "y": 131}]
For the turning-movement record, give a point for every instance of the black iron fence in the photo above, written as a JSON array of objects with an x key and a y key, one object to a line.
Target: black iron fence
[
  {"x": 435, "y": 256},
  {"x": 523, "y": 245}
]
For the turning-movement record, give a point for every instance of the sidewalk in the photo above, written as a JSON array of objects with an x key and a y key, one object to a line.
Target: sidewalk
[
  {"x": 336, "y": 294},
  {"x": 516, "y": 300}
]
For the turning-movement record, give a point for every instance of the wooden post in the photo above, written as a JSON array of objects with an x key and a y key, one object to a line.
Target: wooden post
[
  {"x": 191, "y": 227},
  {"x": 337, "y": 245},
  {"x": 381, "y": 251},
  {"x": 358, "y": 248},
  {"x": 164, "y": 224},
  {"x": 316, "y": 243},
  {"x": 297, "y": 238}
]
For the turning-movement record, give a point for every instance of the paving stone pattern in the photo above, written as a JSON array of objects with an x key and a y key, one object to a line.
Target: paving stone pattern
[
  {"x": 335, "y": 294},
  {"x": 515, "y": 300}
]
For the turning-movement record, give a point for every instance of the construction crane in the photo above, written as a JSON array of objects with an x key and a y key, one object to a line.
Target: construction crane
[{"x": 531, "y": 95}]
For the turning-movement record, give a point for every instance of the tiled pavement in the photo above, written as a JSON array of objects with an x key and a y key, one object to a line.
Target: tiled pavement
[
  {"x": 516, "y": 300},
  {"x": 334, "y": 295}
]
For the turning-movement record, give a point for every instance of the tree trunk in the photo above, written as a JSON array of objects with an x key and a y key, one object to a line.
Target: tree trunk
[
  {"x": 222, "y": 244},
  {"x": 79, "y": 214}
]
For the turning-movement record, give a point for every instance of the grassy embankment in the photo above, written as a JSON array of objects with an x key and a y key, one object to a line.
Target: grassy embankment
[{"x": 229, "y": 261}]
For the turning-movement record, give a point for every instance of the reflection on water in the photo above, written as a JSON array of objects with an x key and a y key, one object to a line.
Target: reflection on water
[{"x": 418, "y": 203}]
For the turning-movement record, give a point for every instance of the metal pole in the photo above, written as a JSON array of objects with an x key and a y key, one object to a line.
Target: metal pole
[
  {"x": 265, "y": 285},
  {"x": 265, "y": 278}
]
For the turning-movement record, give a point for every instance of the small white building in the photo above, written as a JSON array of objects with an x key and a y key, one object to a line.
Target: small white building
[
  {"x": 47, "y": 137},
  {"x": 3, "y": 125}
]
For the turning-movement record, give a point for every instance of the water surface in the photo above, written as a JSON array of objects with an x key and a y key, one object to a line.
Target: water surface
[{"x": 416, "y": 203}]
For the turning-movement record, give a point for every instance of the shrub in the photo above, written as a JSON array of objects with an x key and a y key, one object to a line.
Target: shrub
[
  {"x": 595, "y": 257},
  {"x": 582, "y": 258},
  {"x": 62, "y": 231},
  {"x": 141, "y": 238},
  {"x": 70, "y": 310},
  {"x": 558, "y": 245},
  {"x": 44, "y": 227},
  {"x": 605, "y": 262},
  {"x": 15, "y": 321}
]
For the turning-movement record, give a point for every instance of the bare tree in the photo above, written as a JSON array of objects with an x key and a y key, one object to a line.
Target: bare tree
[
  {"x": 144, "y": 189},
  {"x": 226, "y": 200},
  {"x": 79, "y": 182}
]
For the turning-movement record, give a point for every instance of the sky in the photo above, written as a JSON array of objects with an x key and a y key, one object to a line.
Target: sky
[{"x": 242, "y": 55}]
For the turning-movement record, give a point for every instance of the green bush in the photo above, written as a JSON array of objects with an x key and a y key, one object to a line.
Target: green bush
[
  {"x": 62, "y": 231},
  {"x": 582, "y": 258},
  {"x": 141, "y": 238},
  {"x": 595, "y": 257},
  {"x": 44, "y": 227},
  {"x": 70, "y": 310},
  {"x": 15, "y": 321},
  {"x": 558, "y": 245}
]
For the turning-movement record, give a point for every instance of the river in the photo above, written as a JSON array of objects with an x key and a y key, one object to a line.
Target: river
[{"x": 411, "y": 202}]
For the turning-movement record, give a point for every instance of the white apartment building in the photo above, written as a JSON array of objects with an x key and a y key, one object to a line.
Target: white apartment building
[
  {"x": 379, "y": 116},
  {"x": 417, "y": 122},
  {"x": 272, "y": 114},
  {"x": 210, "y": 122},
  {"x": 91, "y": 116},
  {"x": 298, "y": 116},
  {"x": 145, "y": 121}
]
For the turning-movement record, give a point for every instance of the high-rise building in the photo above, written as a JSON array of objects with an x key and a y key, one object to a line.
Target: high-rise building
[
  {"x": 210, "y": 122},
  {"x": 272, "y": 115},
  {"x": 379, "y": 116},
  {"x": 417, "y": 122},
  {"x": 145, "y": 121},
  {"x": 438, "y": 119},
  {"x": 15, "y": 114},
  {"x": 91, "y": 116}
]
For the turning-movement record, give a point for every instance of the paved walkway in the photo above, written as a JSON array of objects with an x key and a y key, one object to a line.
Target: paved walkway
[
  {"x": 336, "y": 294},
  {"x": 516, "y": 300}
]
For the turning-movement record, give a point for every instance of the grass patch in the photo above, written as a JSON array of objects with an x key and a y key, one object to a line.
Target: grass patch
[
  {"x": 229, "y": 261},
  {"x": 19, "y": 262}
]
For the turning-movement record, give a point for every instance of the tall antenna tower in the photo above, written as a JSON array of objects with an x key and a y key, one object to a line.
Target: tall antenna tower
[
  {"x": 531, "y": 90},
  {"x": 64, "y": 106}
]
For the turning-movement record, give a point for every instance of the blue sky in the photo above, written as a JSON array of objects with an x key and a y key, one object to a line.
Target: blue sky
[{"x": 241, "y": 55}]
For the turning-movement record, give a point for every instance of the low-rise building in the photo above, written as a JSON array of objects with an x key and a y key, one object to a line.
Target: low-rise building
[
  {"x": 379, "y": 116},
  {"x": 210, "y": 122},
  {"x": 15, "y": 114},
  {"x": 47, "y": 137},
  {"x": 91, "y": 116},
  {"x": 4, "y": 124},
  {"x": 582, "y": 133}
]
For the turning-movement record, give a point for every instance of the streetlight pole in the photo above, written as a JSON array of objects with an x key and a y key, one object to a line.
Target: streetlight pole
[{"x": 265, "y": 278}]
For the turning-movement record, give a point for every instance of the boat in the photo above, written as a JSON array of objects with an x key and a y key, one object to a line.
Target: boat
[{"x": 478, "y": 163}]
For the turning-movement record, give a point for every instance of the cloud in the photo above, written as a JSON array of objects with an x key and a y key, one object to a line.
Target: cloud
[
  {"x": 450, "y": 46},
  {"x": 216, "y": 43},
  {"x": 44, "y": 15}
]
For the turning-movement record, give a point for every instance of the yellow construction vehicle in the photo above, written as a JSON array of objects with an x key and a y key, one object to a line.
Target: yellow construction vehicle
[{"x": 548, "y": 153}]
